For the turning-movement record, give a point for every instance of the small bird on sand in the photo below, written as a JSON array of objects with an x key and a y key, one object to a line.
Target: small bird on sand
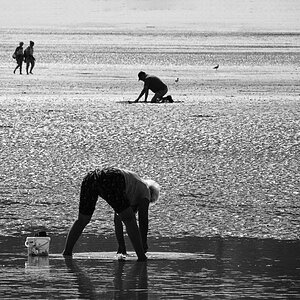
[
  {"x": 177, "y": 79},
  {"x": 216, "y": 67}
]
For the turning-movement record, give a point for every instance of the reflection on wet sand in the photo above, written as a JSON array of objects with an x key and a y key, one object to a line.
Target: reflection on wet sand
[
  {"x": 86, "y": 289},
  {"x": 234, "y": 268},
  {"x": 37, "y": 265},
  {"x": 130, "y": 280}
]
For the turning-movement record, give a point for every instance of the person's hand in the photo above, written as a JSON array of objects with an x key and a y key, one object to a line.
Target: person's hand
[
  {"x": 67, "y": 254},
  {"x": 121, "y": 250},
  {"x": 142, "y": 258},
  {"x": 121, "y": 257}
]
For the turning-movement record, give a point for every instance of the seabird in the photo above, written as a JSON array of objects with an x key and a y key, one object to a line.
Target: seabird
[
  {"x": 216, "y": 67},
  {"x": 177, "y": 79}
]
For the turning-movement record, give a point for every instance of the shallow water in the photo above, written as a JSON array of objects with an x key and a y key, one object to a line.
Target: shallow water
[
  {"x": 226, "y": 154},
  {"x": 231, "y": 269}
]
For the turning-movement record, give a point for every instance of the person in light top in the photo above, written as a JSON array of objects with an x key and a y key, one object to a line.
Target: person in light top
[{"x": 127, "y": 193}]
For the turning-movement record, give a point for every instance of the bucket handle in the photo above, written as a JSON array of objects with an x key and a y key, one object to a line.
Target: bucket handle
[
  {"x": 26, "y": 243},
  {"x": 37, "y": 247}
]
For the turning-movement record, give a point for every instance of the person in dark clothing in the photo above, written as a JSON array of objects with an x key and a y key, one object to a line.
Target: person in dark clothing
[
  {"x": 155, "y": 85},
  {"x": 19, "y": 57},
  {"x": 29, "y": 58},
  {"x": 126, "y": 193}
]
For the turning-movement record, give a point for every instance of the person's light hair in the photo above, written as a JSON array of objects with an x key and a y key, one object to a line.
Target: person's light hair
[{"x": 154, "y": 190}]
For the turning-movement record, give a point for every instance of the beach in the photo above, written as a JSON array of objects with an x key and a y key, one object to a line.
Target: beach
[{"x": 226, "y": 152}]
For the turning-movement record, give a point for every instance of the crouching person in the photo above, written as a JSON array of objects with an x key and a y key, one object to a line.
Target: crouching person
[{"x": 126, "y": 193}]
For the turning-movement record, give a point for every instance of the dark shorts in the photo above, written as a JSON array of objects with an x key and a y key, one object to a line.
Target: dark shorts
[
  {"x": 30, "y": 60},
  {"x": 19, "y": 59},
  {"x": 109, "y": 184}
]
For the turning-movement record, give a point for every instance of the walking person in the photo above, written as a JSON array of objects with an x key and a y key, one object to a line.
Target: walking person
[
  {"x": 19, "y": 57},
  {"x": 126, "y": 193},
  {"x": 29, "y": 58},
  {"x": 155, "y": 85}
]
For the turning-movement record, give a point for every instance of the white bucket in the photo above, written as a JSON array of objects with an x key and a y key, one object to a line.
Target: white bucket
[{"x": 38, "y": 245}]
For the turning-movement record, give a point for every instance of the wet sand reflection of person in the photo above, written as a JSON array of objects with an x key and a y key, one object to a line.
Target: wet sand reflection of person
[
  {"x": 129, "y": 283},
  {"x": 85, "y": 287}
]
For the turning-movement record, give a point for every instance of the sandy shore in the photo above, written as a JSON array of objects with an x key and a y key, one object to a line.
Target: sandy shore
[{"x": 225, "y": 153}]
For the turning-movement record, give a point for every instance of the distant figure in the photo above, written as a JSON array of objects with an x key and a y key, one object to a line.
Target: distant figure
[
  {"x": 127, "y": 194},
  {"x": 19, "y": 57},
  {"x": 216, "y": 67},
  {"x": 154, "y": 84},
  {"x": 29, "y": 58}
]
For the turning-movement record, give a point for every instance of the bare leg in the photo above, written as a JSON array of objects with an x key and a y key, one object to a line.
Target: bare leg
[
  {"x": 32, "y": 66},
  {"x": 27, "y": 66},
  {"x": 18, "y": 66},
  {"x": 75, "y": 233},
  {"x": 119, "y": 234},
  {"x": 21, "y": 63}
]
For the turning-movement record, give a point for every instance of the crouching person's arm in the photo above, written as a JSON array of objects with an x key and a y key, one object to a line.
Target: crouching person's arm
[
  {"x": 128, "y": 217},
  {"x": 143, "y": 222}
]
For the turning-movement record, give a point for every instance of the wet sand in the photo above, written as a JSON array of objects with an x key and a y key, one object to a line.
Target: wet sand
[
  {"x": 231, "y": 268},
  {"x": 225, "y": 153}
]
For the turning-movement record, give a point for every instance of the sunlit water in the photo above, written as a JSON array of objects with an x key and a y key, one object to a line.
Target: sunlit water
[{"x": 226, "y": 156}]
